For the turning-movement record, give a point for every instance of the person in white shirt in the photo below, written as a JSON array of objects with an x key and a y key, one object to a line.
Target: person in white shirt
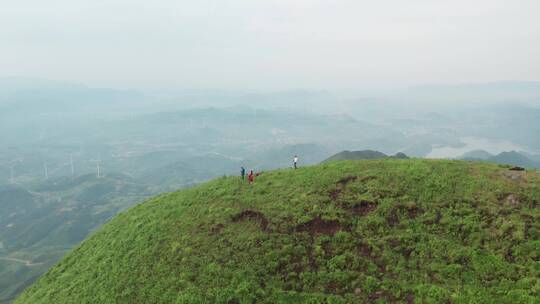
[{"x": 295, "y": 161}]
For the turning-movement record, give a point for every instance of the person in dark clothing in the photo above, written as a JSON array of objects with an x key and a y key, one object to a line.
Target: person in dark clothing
[
  {"x": 295, "y": 161},
  {"x": 243, "y": 172},
  {"x": 251, "y": 176}
]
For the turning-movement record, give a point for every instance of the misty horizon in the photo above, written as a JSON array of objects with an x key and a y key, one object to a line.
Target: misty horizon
[
  {"x": 14, "y": 82},
  {"x": 271, "y": 44}
]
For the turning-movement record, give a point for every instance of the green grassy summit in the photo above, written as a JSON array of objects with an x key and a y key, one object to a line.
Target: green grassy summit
[{"x": 342, "y": 232}]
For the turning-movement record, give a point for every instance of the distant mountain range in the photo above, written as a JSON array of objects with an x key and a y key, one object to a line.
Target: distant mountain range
[
  {"x": 514, "y": 158},
  {"x": 364, "y": 154}
]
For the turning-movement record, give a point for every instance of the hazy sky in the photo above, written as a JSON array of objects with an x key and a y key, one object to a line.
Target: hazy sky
[{"x": 270, "y": 44}]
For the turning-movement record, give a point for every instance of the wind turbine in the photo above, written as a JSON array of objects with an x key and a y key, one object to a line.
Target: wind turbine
[
  {"x": 46, "y": 171},
  {"x": 97, "y": 166},
  {"x": 72, "y": 167},
  {"x": 49, "y": 171},
  {"x": 11, "y": 167}
]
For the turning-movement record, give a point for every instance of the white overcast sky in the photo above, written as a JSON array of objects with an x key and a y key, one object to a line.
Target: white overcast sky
[{"x": 270, "y": 44}]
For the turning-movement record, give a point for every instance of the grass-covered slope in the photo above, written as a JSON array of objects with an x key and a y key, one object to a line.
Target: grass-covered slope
[{"x": 342, "y": 232}]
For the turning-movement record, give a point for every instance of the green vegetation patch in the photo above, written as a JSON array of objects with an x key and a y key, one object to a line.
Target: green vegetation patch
[{"x": 397, "y": 231}]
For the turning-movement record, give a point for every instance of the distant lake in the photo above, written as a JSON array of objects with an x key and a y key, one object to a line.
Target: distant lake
[{"x": 474, "y": 143}]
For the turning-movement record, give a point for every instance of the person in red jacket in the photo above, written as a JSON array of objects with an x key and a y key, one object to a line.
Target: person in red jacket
[{"x": 251, "y": 177}]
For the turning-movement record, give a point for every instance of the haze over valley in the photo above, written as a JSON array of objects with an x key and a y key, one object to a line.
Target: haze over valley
[{"x": 56, "y": 135}]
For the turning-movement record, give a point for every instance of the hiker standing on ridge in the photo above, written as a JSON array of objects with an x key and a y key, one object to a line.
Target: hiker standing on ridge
[
  {"x": 243, "y": 172},
  {"x": 295, "y": 161},
  {"x": 251, "y": 177}
]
